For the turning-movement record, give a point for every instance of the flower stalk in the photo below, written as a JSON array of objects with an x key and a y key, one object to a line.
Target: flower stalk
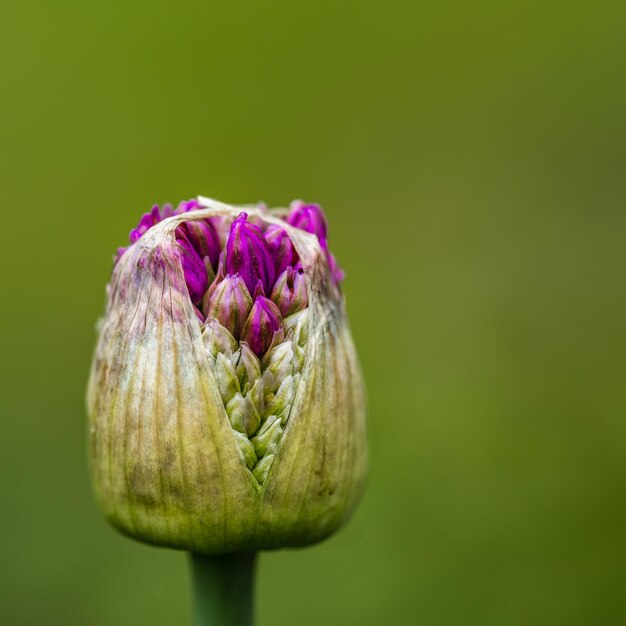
[{"x": 223, "y": 589}]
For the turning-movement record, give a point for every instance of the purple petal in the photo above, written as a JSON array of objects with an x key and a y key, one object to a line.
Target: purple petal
[
  {"x": 281, "y": 247},
  {"x": 264, "y": 320},
  {"x": 194, "y": 269},
  {"x": 308, "y": 217},
  {"x": 202, "y": 235},
  {"x": 187, "y": 205},
  {"x": 248, "y": 255},
  {"x": 147, "y": 221}
]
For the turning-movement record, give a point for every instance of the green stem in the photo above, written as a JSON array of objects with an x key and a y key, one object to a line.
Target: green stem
[{"x": 223, "y": 589}]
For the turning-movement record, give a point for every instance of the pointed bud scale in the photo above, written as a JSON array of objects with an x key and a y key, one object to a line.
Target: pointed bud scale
[
  {"x": 264, "y": 320},
  {"x": 258, "y": 394},
  {"x": 229, "y": 302},
  {"x": 217, "y": 338},
  {"x": 213, "y": 443},
  {"x": 248, "y": 368},
  {"x": 226, "y": 378},
  {"x": 283, "y": 397},
  {"x": 281, "y": 361},
  {"x": 297, "y": 327},
  {"x": 267, "y": 442},
  {"x": 246, "y": 447},
  {"x": 262, "y": 468},
  {"x": 289, "y": 292},
  {"x": 243, "y": 415},
  {"x": 248, "y": 255},
  {"x": 281, "y": 248}
]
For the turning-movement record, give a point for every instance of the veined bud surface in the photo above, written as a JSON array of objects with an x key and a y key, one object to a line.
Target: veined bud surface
[{"x": 226, "y": 404}]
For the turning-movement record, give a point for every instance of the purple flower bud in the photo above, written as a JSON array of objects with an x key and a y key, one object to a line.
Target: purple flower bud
[
  {"x": 229, "y": 302},
  {"x": 186, "y": 206},
  {"x": 249, "y": 256},
  {"x": 289, "y": 292},
  {"x": 147, "y": 221},
  {"x": 264, "y": 320},
  {"x": 202, "y": 235},
  {"x": 281, "y": 247},
  {"x": 156, "y": 215},
  {"x": 310, "y": 217},
  {"x": 194, "y": 269}
]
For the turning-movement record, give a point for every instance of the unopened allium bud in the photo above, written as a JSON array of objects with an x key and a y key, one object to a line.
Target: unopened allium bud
[
  {"x": 194, "y": 268},
  {"x": 289, "y": 291},
  {"x": 310, "y": 217},
  {"x": 282, "y": 249},
  {"x": 202, "y": 235},
  {"x": 262, "y": 324},
  {"x": 248, "y": 255},
  {"x": 241, "y": 427},
  {"x": 229, "y": 301}
]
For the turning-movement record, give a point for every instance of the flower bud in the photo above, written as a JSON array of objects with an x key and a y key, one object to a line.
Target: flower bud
[
  {"x": 194, "y": 269},
  {"x": 289, "y": 292},
  {"x": 310, "y": 217},
  {"x": 204, "y": 239},
  {"x": 281, "y": 247},
  {"x": 240, "y": 429},
  {"x": 248, "y": 255},
  {"x": 148, "y": 220},
  {"x": 229, "y": 302},
  {"x": 263, "y": 322}
]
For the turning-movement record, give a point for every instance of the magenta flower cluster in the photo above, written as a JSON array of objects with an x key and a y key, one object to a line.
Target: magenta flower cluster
[{"x": 251, "y": 282}]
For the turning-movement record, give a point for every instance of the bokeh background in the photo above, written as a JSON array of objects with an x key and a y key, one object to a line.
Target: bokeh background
[{"x": 471, "y": 159}]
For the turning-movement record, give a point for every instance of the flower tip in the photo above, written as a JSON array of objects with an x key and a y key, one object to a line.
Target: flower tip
[
  {"x": 308, "y": 217},
  {"x": 248, "y": 255},
  {"x": 263, "y": 322}
]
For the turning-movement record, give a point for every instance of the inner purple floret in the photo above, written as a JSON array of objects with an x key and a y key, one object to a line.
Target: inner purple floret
[
  {"x": 253, "y": 281},
  {"x": 249, "y": 256},
  {"x": 310, "y": 217}
]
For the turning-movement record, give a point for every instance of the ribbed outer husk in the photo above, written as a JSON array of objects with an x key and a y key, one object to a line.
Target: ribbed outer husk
[{"x": 164, "y": 460}]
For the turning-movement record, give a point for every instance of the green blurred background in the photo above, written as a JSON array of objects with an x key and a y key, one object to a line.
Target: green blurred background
[{"x": 471, "y": 159}]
